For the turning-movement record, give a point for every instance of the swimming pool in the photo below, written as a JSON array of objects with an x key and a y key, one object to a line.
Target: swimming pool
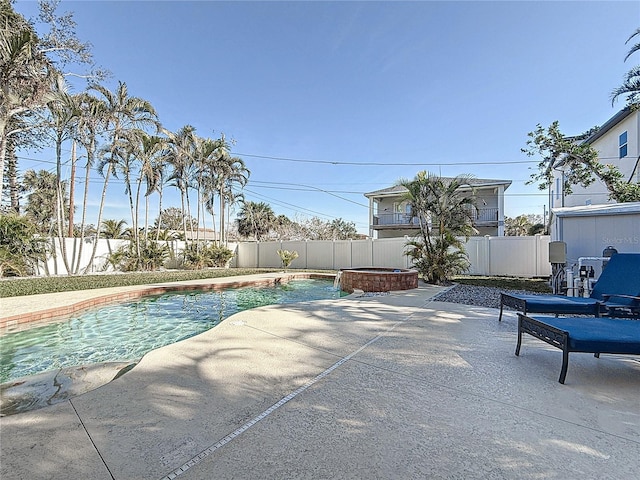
[{"x": 126, "y": 331}]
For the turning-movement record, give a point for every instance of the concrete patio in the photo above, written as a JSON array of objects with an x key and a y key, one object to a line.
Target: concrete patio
[{"x": 395, "y": 386}]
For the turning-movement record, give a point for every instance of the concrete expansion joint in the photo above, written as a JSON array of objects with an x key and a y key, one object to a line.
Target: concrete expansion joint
[
  {"x": 95, "y": 447},
  {"x": 211, "y": 449}
]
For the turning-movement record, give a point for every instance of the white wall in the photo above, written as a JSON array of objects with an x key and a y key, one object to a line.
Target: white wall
[{"x": 513, "y": 256}]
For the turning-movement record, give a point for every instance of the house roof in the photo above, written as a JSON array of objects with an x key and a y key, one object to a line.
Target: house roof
[
  {"x": 628, "y": 208},
  {"x": 609, "y": 124},
  {"x": 474, "y": 182}
]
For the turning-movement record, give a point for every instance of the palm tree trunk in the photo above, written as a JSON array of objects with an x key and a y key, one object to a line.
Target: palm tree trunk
[
  {"x": 137, "y": 214},
  {"x": 60, "y": 206},
  {"x": 184, "y": 216},
  {"x": 146, "y": 218},
  {"x": 84, "y": 204},
  {"x": 99, "y": 222},
  {"x": 3, "y": 152},
  {"x": 222, "y": 232},
  {"x": 72, "y": 187},
  {"x": 198, "y": 202},
  {"x": 189, "y": 215},
  {"x": 12, "y": 172},
  {"x": 159, "y": 213},
  {"x": 134, "y": 226}
]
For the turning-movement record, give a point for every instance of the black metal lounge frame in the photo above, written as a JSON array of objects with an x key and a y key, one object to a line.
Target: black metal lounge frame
[{"x": 561, "y": 338}]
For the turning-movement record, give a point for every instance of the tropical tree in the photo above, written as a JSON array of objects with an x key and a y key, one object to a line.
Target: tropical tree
[
  {"x": 90, "y": 124},
  {"x": 444, "y": 214},
  {"x": 28, "y": 62},
  {"x": 63, "y": 112},
  {"x": 255, "y": 220},
  {"x": 150, "y": 156},
  {"x": 42, "y": 202},
  {"x": 129, "y": 153},
  {"x": 11, "y": 176},
  {"x": 204, "y": 177},
  {"x": 113, "y": 229},
  {"x": 523, "y": 225},
  {"x": 235, "y": 174},
  {"x": 518, "y": 226},
  {"x": 25, "y": 74},
  {"x": 631, "y": 84},
  {"x": 180, "y": 154},
  {"x": 229, "y": 173},
  {"x": 122, "y": 113},
  {"x": 578, "y": 161},
  {"x": 20, "y": 247},
  {"x": 173, "y": 219}
]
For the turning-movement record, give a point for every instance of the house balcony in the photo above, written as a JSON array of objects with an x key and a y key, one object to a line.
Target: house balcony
[{"x": 482, "y": 217}]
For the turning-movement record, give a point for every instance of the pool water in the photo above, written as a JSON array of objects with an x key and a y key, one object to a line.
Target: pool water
[{"x": 127, "y": 331}]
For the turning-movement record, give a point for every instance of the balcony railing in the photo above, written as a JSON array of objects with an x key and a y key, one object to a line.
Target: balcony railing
[
  {"x": 388, "y": 219},
  {"x": 481, "y": 215},
  {"x": 485, "y": 215}
]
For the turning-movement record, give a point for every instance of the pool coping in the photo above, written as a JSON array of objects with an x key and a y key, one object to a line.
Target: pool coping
[{"x": 32, "y": 312}]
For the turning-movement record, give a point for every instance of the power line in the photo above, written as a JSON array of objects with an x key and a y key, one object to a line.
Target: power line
[
  {"x": 295, "y": 208},
  {"x": 382, "y": 164}
]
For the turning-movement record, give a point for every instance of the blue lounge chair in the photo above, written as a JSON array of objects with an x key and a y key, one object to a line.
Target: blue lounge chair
[
  {"x": 587, "y": 335},
  {"x": 616, "y": 293}
]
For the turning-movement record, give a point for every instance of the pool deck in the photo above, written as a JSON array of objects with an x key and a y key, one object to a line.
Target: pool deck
[{"x": 394, "y": 386}]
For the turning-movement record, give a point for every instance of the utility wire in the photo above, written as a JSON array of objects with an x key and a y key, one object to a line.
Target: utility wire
[{"x": 381, "y": 164}]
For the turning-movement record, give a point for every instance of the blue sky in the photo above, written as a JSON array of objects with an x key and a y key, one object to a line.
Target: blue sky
[{"x": 329, "y": 100}]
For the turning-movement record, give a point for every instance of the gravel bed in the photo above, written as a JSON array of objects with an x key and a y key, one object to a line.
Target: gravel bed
[{"x": 473, "y": 295}]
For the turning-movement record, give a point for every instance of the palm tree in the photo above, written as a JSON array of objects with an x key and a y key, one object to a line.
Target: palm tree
[
  {"x": 129, "y": 151},
  {"x": 443, "y": 214},
  {"x": 42, "y": 199},
  {"x": 228, "y": 172},
  {"x": 204, "y": 159},
  {"x": 631, "y": 84},
  {"x": 255, "y": 220},
  {"x": 180, "y": 154},
  {"x": 122, "y": 113},
  {"x": 113, "y": 229},
  {"x": 91, "y": 119},
  {"x": 63, "y": 113},
  {"x": 150, "y": 156},
  {"x": 233, "y": 173}
]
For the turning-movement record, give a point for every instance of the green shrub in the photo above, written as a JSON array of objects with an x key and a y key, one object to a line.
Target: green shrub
[
  {"x": 287, "y": 257},
  {"x": 200, "y": 255},
  {"x": 152, "y": 256},
  {"x": 16, "y": 287},
  {"x": 20, "y": 248}
]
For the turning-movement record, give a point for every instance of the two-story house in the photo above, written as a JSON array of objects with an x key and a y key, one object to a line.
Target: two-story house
[
  {"x": 616, "y": 142},
  {"x": 390, "y": 215}
]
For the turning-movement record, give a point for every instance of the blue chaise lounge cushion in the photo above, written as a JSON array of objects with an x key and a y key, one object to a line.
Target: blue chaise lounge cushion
[
  {"x": 559, "y": 304},
  {"x": 599, "y": 334}
]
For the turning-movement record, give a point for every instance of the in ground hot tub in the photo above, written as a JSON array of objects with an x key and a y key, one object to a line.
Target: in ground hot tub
[{"x": 375, "y": 279}]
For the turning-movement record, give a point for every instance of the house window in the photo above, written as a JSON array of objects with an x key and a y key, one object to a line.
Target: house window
[{"x": 622, "y": 144}]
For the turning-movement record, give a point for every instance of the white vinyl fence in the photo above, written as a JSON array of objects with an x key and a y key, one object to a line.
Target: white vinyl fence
[
  {"x": 78, "y": 255},
  {"x": 512, "y": 256}
]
